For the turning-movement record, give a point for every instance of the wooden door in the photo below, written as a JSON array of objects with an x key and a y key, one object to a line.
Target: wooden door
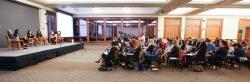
[
  {"x": 150, "y": 31},
  {"x": 213, "y": 28},
  {"x": 193, "y": 28},
  {"x": 247, "y": 34},
  {"x": 244, "y": 23},
  {"x": 172, "y": 27}
]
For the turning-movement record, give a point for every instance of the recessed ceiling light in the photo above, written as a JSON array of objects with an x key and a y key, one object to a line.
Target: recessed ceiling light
[
  {"x": 243, "y": 2},
  {"x": 127, "y": 9},
  {"x": 102, "y": 1},
  {"x": 227, "y": 12},
  {"x": 204, "y": 1},
  {"x": 181, "y": 11},
  {"x": 114, "y": 10},
  {"x": 96, "y": 10},
  {"x": 101, "y": 21}
]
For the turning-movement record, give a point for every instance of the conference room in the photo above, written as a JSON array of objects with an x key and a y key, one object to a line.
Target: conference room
[{"x": 124, "y": 40}]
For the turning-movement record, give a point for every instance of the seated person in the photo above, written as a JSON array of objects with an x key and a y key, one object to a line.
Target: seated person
[
  {"x": 210, "y": 47},
  {"x": 17, "y": 37},
  {"x": 191, "y": 47},
  {"x": 40, "y": 37},
  {"x": 201, "y": 53},
  {"x": 248, "y": 51},
  {"x": 10, "y": 35},
  {"x": 168, "y": 49},
  {"x": 52, "y": 37},
  {"x": 219, "y": 55},
  {"x": 58, "y": 36},
  {"x": 129, "y": 55},
  {"x": 39, "y": 34},
  {"x": 174, "y": 51},
  {"x": 159, "y": 51},
  {"x": 108, "y": 57},
  {"x": 138, "y": 50},
  {"x": 148, "y": 54},
  {"x": 31, "y": 38},
  {"x": 30, "y": 35},
  {"x": 182, "y": 44},
  {"x": 238, "y": 52}
]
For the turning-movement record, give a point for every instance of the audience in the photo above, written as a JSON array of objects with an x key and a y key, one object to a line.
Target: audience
[{"x": 146, "y": 50}]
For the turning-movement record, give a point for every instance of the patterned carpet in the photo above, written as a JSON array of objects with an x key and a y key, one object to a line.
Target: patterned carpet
[{"x": 79, "y": 66}]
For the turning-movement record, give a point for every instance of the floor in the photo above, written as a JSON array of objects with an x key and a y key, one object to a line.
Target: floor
[{"x": 79, "y": 66}]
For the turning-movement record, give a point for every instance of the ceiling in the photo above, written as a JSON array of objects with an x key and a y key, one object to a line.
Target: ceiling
[{"x": 151, "y": 7}]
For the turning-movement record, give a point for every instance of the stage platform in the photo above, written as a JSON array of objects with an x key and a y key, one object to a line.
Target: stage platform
[{"x": 17, "y": 59}]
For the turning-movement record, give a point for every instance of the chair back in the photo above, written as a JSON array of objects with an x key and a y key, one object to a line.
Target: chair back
[
  {"x": 248, "y": 52},
  {"x": 181, "y": 54},
  {"x": 8, "y": 40}
]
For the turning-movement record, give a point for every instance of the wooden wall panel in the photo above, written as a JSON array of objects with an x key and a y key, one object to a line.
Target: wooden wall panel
[
  {"x": 193, "y": 22},
  {"x": 213, "y": 28},
  {"x": 193, "y": 28},
  {"x": 172, "y": 27},
  {"x": 247, "y": 35},
  {"x": 244, "y": 23}
]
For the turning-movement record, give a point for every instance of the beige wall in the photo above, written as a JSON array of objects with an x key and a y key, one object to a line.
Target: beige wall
[
  {"x": 229, "y": 29},
  {"x": 43, "y": 22}
]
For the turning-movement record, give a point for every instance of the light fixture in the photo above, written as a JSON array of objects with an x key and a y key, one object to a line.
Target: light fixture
[
  {"x": 127, "y": 24},
  {"x": 227, "y": 12},
  {"x": 102, "y": 1},
  {"x": 181, "y": 11},
  {"x": 96, "y": 10},
  {"x": 114, "y": 10},
  {"x": 204, "y": 1},
  {"x": 100, "y": 21},
  {"x": 127, "y": 9},
  {"x": 151, "y": 24},
  {"x": 243, "y": 2}
]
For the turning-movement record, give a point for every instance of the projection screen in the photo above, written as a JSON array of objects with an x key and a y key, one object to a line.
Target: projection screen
[{"x": 64, "y": 24}]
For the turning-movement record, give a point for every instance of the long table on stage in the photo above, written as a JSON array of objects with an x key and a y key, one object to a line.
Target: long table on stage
[{"x": 17, "y": 59}]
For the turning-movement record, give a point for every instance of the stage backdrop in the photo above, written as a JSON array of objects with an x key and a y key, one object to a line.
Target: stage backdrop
[{"x": 17, "y": 16}]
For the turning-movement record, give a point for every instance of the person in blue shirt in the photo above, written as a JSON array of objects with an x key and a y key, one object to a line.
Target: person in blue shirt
[{"x": 210, "y": 46}]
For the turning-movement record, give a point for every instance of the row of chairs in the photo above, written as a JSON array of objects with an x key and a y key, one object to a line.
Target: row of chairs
[
  {"x": 197, "y": 66},
  {"x": 15, "y": 43},
  {"x": 226, "y": 62}
]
